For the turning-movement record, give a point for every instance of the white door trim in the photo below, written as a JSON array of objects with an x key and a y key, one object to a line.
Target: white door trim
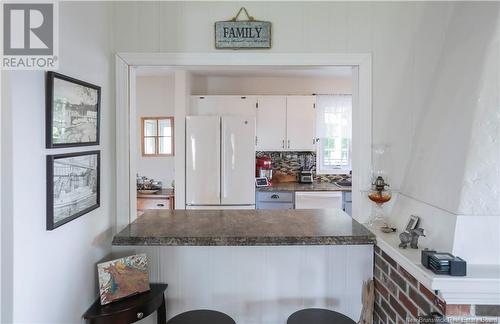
[{"x": 362, "y": 117}]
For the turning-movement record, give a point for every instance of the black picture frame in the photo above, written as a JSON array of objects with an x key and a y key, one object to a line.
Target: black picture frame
[
  {"x": 51, "y": 222},
  {"x": 49, "y": 110},
  {"x": 412, "y": 223}
]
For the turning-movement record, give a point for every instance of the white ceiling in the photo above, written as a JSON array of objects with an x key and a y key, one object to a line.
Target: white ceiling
[{"x": 251, "y": 71}]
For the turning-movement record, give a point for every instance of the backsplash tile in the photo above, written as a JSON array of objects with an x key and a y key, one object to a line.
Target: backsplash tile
[{"x": 289, "y": 163}]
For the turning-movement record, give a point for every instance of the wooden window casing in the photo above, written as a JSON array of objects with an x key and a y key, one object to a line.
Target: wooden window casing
[{"x": 157, "y": 136}]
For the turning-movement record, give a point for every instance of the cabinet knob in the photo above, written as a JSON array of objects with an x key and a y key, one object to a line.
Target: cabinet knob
[
  {"x": 160, "y": 205},
  {"x": 275, "y": 196},
  {"x": 140, "y": 315}
]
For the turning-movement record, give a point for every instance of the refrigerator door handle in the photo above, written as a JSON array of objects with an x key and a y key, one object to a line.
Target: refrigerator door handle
[
  {"x": 220, "y": 158},
  {"x": 222, "y": 169}
]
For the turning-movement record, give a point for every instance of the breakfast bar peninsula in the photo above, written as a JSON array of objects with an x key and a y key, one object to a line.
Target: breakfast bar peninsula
[{"x": 258, "y": 266}]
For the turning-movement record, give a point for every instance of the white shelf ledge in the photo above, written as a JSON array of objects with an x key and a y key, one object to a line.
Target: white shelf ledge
[{"x": 481, "y": 285}]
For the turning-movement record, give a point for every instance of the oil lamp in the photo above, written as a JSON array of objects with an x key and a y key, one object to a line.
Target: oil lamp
[{"x": 379, "y": 192}]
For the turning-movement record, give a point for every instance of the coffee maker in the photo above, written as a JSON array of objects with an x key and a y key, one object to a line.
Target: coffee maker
[
  {"x": 264, "y": 167},
  {"x": 306, "y": 173}
]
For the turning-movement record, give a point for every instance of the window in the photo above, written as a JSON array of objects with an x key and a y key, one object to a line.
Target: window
[
  {"x": 157, "y": 136},
  {"x": 334, "y": 132}
]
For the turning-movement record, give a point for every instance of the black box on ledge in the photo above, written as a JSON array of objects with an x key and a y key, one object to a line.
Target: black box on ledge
[{"x": 443, "y": 263}]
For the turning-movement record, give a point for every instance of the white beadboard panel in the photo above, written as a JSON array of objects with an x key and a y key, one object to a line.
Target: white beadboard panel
[{"x": 257, "y": 285}]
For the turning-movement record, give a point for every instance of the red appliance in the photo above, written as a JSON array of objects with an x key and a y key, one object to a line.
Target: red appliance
[{"x": 264, "y": 167}]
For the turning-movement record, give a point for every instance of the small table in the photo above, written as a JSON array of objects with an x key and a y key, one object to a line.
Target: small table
[{"x": 130, "y": 309}]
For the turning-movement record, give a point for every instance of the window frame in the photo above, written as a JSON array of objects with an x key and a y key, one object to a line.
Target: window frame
[
  {"x": 319, "y": 152},
  {"x": 157, "y": 136}
]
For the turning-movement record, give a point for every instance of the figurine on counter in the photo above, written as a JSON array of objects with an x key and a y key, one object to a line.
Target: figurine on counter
[{"x": 411, "y": 237}]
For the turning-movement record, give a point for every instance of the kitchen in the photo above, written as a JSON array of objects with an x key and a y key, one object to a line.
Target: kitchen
[{"x": 281, "y": 108}]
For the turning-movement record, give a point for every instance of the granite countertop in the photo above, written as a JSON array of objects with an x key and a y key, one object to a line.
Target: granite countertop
[
  {"x": 163, "y": 193},
  {"x": 297, "y": 186},
  {"x": 244, "y": 227}
]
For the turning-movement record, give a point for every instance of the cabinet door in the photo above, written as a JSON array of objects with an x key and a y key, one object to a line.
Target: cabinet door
[
  {"x": 300, "y": 117},
  {"x": 223, "y": 105},
  {"x": 271, "y": 123}
]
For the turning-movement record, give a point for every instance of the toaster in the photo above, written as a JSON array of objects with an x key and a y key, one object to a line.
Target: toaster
[{"x": 306, "y": 176}]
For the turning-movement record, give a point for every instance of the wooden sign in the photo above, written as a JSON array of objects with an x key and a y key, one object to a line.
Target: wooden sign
[{"x": 241, "y": 34}]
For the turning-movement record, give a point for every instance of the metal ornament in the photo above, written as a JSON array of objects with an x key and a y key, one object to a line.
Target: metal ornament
[
  {"x": 242, "y": 34},
  {"x": 411, "y": 238}
]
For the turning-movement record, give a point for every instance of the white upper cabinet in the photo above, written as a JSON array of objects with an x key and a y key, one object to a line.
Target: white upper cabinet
[
  {"x": 284, "y": 123},
  {"x": 271, "y": 123},
  {"x": 223, "y": 105},
  {"x": 300, "y": 118}
]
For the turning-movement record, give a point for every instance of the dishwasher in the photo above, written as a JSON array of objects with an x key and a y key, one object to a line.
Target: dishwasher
[{"x": 318, "y": 199}]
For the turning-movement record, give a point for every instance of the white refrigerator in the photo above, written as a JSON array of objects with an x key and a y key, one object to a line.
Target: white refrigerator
[{"x": 220, "y": 162}]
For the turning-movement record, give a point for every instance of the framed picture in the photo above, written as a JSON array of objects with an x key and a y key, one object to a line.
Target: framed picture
[
  {"x": 73, "y": 186},
  {"x": 412, "y": 223},
  {"x": 123, "y": 277},
  {"x": 72, "y": 112}
]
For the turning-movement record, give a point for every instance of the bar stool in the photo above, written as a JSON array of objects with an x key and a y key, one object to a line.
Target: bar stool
[
  {"x": 201, "y": 316},
  {"x": 318, "y": 316}
]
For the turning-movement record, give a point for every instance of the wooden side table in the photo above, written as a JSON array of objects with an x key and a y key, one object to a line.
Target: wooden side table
[{"x": 130, "y": 309}]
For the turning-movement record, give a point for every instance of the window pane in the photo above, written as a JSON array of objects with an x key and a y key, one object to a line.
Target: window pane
[
  {"x": 165, "y": 145},
  {"x": 149, "y": 145},
  {"x": 165, "y": 126},
  {"x": 334, "y": 127},
  {"x": 149, "y": 127}
]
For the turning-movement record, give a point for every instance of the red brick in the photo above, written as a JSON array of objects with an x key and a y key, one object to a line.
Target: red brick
[
  {"x": 381, "y": 314},
  {"x": 398, "y": 279},
  {"x": 377, "y": 273},
  {"x": 408, "y": 276},
  {"x": 389, "y": 260},
  {"x": 427, "y": 293},
  {"x": 421, "y": 302},
  {"x": 441, "y": 305},
  {"x": 397, "y": 307},
  {"x": 410, "y": 306},
  {"x": 389, "y": 284},
  {"x": 381, "y": 289},
  {"x": 433, "y": 298},
  {"x": 388, "y": 310},
  {"x": 457, "y": 310},
  {"x": 382, "y": 264},
  {"x": 488, "y": 310}
]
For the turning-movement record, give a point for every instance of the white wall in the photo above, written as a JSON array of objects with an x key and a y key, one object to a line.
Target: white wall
[
  {"x": 229, "y": 85},
  {"x": 155, "y": 98},
  {"x": 53, "y": 278}
]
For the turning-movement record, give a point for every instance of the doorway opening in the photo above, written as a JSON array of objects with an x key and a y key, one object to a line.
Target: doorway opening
[{"x": 220, "y": 85}]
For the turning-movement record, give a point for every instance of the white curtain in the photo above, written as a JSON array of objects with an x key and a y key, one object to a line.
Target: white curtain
[{"x": 334, "y": 125}]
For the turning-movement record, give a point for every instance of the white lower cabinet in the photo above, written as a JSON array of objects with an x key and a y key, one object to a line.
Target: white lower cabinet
[{"x": 318, "y": 200}]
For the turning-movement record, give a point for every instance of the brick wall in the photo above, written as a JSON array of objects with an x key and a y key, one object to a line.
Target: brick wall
[{"x": 400, "y": 298}]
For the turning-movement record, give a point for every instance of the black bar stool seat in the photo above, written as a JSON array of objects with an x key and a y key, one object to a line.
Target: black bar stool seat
[
  {"x": 318, "y": 316},
  {"x": 201, "y": 316}
]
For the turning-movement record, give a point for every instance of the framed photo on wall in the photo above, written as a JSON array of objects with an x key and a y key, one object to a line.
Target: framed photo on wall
[
  {"x": 72, "y": 112},
  {"x": 73, "y": 186}
]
